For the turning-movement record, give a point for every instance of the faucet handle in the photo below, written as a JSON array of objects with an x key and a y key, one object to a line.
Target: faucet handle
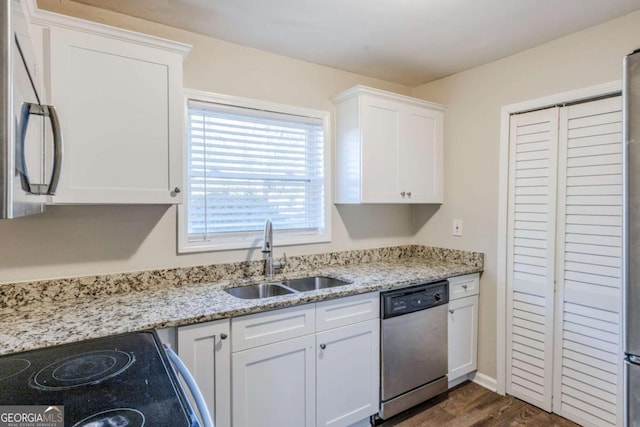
[{"x": 278, "y": 265}]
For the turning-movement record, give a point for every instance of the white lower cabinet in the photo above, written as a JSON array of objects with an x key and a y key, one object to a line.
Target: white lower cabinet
[
  {"x": 463, "y": 335},
  {"x": 324, "y": 378},
  {"x": 348, "y": 367},
  {"x": 205, "y": 349},
  {"x": 463, "y": 327},
  {"x": 274, "y": 385}
]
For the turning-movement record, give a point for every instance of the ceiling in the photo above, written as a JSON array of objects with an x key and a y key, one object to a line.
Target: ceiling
[{"x": 410, "y": 42}]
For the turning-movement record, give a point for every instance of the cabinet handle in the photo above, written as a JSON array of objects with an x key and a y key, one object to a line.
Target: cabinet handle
[
  {"x": 223, "y": 336},
  {"x": 465, "y": 287},
  {"x": 403, "y": 194},
  {"x": 409, "y": 194},
  {"x": 323, "y": 346},
  {"x": 451, "y": 310}
]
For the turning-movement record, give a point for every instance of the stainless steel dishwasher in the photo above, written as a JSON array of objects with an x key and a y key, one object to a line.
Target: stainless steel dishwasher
[{"x": 413, "y": 346}]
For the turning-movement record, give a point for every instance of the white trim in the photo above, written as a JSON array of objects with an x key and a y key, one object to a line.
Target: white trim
[
  {"x": 252, "y": 240},
  {"x": 361, "y": 423},
  {"x": 365, "y": 90},
  {"x": 485, "y": 381},
  {"x": 454, "y": 382},
  {"x": 604, "y": 89},
  {"x": 503, "y": 191},
  {"x": 237, "y": 101},
  {"x": 503, "y": 185},
  {"x": 46, "y": 18}
]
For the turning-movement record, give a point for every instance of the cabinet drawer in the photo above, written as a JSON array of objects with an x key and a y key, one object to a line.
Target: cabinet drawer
[
  {"x": 272, "y": 326},
  {"x": 345, "y": 311},
  {"x": 464, "y": 286}
]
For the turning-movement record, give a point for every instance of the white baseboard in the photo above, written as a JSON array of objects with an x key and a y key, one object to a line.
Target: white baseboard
[
  {"x": 485, "y": 381},
  {"x": 454, "y": 382},
  {"x": 361, "y": 423}
]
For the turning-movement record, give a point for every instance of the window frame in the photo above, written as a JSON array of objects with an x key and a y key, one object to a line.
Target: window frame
[{"x": 253, "y": 239}]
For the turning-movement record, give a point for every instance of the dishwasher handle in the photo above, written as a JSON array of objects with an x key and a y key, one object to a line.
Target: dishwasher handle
[{"x": 193, "y": 387}]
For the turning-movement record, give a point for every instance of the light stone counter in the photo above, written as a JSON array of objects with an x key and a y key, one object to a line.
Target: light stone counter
[{"x": 41, "y": 314}]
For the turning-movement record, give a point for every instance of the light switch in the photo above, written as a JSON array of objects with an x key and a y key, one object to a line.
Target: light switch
[{"x": 457, "y": 227}]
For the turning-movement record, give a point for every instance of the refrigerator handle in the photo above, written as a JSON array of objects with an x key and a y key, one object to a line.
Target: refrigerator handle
[{"x": 29, "y": 108}]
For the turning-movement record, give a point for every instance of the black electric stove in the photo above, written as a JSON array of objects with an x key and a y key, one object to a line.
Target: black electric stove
[{"x": 123, "y": 380}]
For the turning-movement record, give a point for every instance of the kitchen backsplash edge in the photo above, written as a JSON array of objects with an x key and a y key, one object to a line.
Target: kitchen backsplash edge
[{"x": 25, "y": 293}]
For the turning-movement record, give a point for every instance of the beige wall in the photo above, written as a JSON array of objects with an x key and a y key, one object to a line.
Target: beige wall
[
  {"x": 472, "y": 138},
  {"x": 82, "y": 240}
]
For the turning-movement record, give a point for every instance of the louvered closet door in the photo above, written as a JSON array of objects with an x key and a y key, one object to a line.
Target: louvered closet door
[
  {"x": 531, "y": 255},
  {"x": 587, "y": 361}
]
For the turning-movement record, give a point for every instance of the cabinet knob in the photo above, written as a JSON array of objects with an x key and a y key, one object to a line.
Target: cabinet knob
[
  {"x": 223, "y": 336},
  {"x": 175, "y": 192},
  {"x": 409, "y": 194},
  {"x": 323, "y": 346},
  {"x": 451, "y": 310},
  {"x": 465, "y": 287},
  {"x": 403, "y": 194}
]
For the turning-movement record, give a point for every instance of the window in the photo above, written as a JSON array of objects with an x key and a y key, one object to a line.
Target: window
[{"x": 247, "y": 161}]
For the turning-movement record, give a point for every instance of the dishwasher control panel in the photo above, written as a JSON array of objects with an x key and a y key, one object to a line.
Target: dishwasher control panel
[{"x": 414, "y": 298}]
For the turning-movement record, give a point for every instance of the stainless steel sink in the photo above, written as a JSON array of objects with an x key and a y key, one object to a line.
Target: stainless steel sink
[
  {"x": 313, "y": 283},
  {"x": 263, "y": 290},
  {"x": 266, "y": 290}
]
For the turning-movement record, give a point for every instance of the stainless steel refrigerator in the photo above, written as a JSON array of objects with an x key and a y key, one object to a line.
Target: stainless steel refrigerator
[{"x": 631, "y": 120}]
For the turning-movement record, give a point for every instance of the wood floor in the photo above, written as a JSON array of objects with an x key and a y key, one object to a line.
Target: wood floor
[{"x": 472, "y": 405}]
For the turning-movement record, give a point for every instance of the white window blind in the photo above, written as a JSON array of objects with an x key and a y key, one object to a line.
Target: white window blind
[{"x": 245, "y": 165}]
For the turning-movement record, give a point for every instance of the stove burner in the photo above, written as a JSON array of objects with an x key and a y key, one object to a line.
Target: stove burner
[
  {"x": 119, "y": 417},
  {"x": 82, "y": 369},
  {"x": 12, "y": 367}
]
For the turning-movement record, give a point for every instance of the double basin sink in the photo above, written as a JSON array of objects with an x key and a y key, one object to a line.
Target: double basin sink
[{"x": 266, "y": 290}]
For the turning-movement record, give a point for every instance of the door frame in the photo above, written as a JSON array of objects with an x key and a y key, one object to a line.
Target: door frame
[{"x": 605, "y": 89}]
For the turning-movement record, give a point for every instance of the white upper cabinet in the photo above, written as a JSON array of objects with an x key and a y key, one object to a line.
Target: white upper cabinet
[
  {"x": 119, "y": 99},
  {"x": 388, "y": 148}
]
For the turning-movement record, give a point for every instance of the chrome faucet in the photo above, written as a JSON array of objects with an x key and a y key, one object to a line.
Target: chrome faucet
[{"x": 270, "y": 266}]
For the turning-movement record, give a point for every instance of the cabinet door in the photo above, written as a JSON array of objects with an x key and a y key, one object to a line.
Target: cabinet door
[
  {"x": 120, "y": 106},
  {"x": 420, "y": 155},
  {"x": 380, "y": 121},
  {"x": 274, "y": 385},
  {"x": 206, "y": 351},
  {"x": 348, "y": 373},
  {"x": 463, "y": 336}
]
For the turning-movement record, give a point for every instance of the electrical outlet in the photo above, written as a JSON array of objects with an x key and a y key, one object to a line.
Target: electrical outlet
[{"x": 457, "y": 227}]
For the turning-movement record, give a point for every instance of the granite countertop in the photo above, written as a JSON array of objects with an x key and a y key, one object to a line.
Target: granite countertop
[{"x": 28, "y": 322}]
